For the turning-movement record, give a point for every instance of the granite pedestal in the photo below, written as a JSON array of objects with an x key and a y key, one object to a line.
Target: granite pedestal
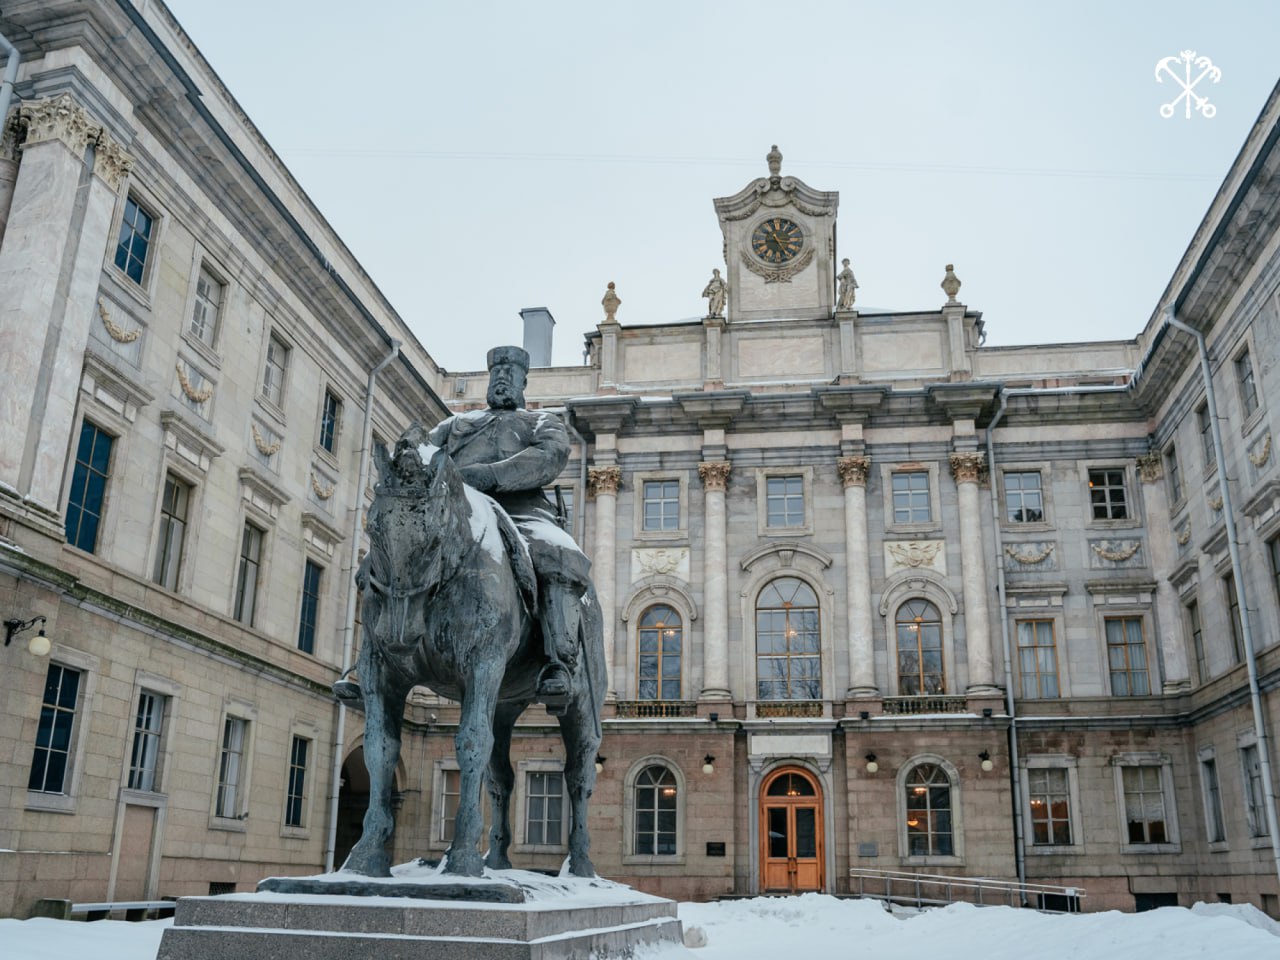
[{"x": 586, "y": 920}]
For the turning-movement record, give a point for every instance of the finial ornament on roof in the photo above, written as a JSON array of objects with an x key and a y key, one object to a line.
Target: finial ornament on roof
[
  {"x": 610, "y": 303},
  {"x": 774, "y": 158},
  {"x": 951, "y": 283}
]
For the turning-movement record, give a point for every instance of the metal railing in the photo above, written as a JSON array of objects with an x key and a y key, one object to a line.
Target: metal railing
[
  {"x": 924, "y": 704},
  {"x": 656, "y": 709},
  {"x": 936, "y": 890}
]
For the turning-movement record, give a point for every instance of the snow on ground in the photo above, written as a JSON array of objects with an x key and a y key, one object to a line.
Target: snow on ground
[{"x": 816, "y": 927}]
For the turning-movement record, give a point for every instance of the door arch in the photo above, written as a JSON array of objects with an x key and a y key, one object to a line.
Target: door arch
[{"x": 792, "y": 845}]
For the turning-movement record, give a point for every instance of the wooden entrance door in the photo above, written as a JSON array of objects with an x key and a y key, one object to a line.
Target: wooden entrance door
[{"x": 791, "y": 843}]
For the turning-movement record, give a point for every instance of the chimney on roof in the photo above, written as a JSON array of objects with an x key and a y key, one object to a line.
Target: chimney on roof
[{"x": 538, "y": 325}]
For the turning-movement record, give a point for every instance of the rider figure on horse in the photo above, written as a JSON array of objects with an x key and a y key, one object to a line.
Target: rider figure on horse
[{"x": 511, "y": 454}]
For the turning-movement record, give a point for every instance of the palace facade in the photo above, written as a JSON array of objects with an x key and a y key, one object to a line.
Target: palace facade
[{"x": 879, "y": 598}]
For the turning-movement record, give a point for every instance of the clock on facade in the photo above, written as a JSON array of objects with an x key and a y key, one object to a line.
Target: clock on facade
[{"x": 777, "y": 240}]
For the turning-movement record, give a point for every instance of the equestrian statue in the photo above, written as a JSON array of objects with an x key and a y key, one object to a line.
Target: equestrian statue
[{"x": 472, "y": 587}]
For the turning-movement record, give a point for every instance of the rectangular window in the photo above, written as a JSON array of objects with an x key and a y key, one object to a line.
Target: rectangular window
[
  {"x": 204, "y": 315},
  {"x": 544, "y": 810},
  {"x": 173, "y": 531},
  {"x": 1233, "y": 609},
  {"x": 662, "y": 505},
  {"x": 247, "y": 574},
  {"x": 1127, "y": 657},
  {"x": 1248, "y": 388},
  {"x": 1206, "y": 436},
  {"x": 1106, "y": 494},
  {"x": 51, "y": 760},
  {"x": 1144, "y": 805},
  {"x": 1023, "y": 501},
  {"x": 1050, "y": 806},
  {"x": 1254, "y": 799},
  {"x": 1197, "y": 641},
  {"x": 310, "y": 607},
  {"x": 1037, "y": 659},
  {"x": 784, "y": 501},
  {"x": 88, "y": 487},
  {"x": 1173, "y": 473},
  {"x": 273, "y": 374},
  {"x": 1215, "y": 831},
  {"x": 231, "y": 768},
  {"x": 329, "y": 421},
  {"x": 911, "y": 497},
  {"x": 147, "y": 726},
  {"x": 134, "y": 241},
  {"x": 294, "y": 813},
  {"x": 450, "y": 791}
]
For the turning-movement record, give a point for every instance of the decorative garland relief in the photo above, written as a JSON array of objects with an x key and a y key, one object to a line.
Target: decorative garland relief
[
  {"x": 1264, "y": 451},
  {"x": 324, "y": 493},
  {"x": 194, "y": 395},
  {"x": 264, "y": 448},
  {"x": 121, "y": 335},
  {"x": 1116, "y": 556},
  {"x": 1029, "y": 557}
]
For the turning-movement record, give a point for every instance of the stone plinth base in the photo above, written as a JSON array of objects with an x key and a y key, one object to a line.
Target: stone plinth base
[{"x": 587, "y": 920}]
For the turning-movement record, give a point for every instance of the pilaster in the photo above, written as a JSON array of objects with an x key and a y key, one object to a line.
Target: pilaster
[
  {"x": 862, "y": 676},
  {"x": 969, "y": 468},
  {"x": 715, "y": 588},
  {"x": 1173, "y": 652},
  {"x": 602, "y": 487}
]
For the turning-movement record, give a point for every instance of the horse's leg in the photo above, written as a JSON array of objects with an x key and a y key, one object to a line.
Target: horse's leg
[
  {"x": 473, "y": 746},
  {"x": 581, "y": 742},
  {"x": 501, "y": 780},
  {"x": 384, "y": 709}
]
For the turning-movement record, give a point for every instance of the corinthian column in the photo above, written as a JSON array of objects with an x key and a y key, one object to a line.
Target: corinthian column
[
  {"x": 1177, "y": 672},
  {"x": 966, "y": 468},
  {"x": 602, "y": 485},
  {"x": 862, "y": 673},
  {"x": 715, "y": 584}
]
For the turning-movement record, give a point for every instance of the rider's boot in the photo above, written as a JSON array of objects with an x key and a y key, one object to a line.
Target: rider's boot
[{"x": 560, "y": 614}]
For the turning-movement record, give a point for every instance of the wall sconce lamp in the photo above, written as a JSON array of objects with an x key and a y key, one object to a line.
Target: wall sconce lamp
[
  {"x": 708, "y": 764},
  {"x": 872, "y": 766},
  {"x": 987, "y": 765},
  {"x": 600, "y": 761},
  {"x": 713, "y": 717},
  {"x": 986, "y": 713},
  {"x": 864, "y": 714},
  {"x": 39, "y": 645}
]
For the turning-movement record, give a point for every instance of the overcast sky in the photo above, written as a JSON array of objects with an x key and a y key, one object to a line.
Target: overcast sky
[{"x": 479, "y": 157}]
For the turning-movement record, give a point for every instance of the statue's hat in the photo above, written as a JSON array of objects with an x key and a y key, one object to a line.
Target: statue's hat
[{"x": 509, "y": 355}]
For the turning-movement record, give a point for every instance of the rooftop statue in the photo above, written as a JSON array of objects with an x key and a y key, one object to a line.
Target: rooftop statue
[{"x": 472, "y": 587}]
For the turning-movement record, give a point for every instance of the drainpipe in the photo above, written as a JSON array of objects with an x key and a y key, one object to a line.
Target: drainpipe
[
  {"x": 1016, "y": 784},
  {"x": 348, "y": 628},
  {"x": 10, "y": 75},
  {"x": 1237, "y": 574}
]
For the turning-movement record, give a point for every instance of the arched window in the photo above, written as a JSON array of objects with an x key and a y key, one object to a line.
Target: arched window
[
  {"x": 928, "y": 809},
  {"x": 788, "y": 642},
  {"x": 655, "y": 812},
  {"x": 660, "y": 642},
  {"x": 919, "y": 627}
]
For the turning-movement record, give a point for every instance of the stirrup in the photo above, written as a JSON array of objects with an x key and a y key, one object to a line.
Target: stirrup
[{"x": 554, "y": 687}]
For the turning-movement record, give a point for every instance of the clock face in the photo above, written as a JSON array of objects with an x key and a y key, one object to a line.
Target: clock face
[{"x": 777, "y": 240}]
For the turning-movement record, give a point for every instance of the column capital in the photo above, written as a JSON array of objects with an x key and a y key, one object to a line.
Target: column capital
[
  {"x": 853, "y": 470},
  {"x": 968, "y": 467},
  {"x": 62, "y": 118},
  {"x": 603, "y": 480},
  {"x": 1150, "y": 467},
  {"x": 714, "y": 474}
]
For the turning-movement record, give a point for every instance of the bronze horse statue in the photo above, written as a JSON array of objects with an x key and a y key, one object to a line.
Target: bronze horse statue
[{"x": 448, "y": 602}]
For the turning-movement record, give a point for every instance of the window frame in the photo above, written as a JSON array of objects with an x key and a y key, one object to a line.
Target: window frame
[
  {"x": 638, "y": 481},
  {"x": 141, "y": 284},
  {"x": 1246, "y": 378},
  {"x": 83, "y": 481},
  {"x": 160, "y": 573},
  {"x": 330, "y": 428},
  {"x": 141, "y": 776},
  {"x": 1253, "y": 793},
  {"x": 666, "y": 501},
  {"x": 1070, "y": 766},
  {"x": 208, "y": 346},
  {"x": 662, "y": 655},
  {"x": 1211, "y": 799},
  {"x": 315, "y": 597},
  {"x": 1126, "y": 488},
  {"x": 1172, "y": 842},
  {"x": 1038, "y": 673},
  {"x": 522, "y": 797},
  {"x": 270, "y": 393},
  {"x": 918, "y": 621},
  {"x": 1195, "y": 633},
  {"x": 1175, "y": 483},
  {"x": 1129, "y": 671},
  {"x": 297, "y": 796},
  {"x": 221, "y": 781},
  {"x": 887, "y": 473},
  {"x": 788, "y": 655},
  {"x": 65, "y": 802},
  {"x": 630, "y": 787},
  {"x": 70, "y": 680},
  {"x": 763, "y": 476},
  {"x": 1204, "y": 425},
  {"x": 1043, "y": 521},
  {"x": 1235, "y": 626},
  {"x": 243, "y": 564},
  {"x": 956, "y": 857}
]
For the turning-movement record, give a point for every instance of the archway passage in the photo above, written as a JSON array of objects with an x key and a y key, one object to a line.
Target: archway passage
[
  {"x": 791, "y": 832},
  {"x": 353, "y": 801}
]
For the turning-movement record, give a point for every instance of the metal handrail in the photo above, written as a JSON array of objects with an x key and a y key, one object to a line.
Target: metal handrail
[{"x": 987, "y": 892}]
